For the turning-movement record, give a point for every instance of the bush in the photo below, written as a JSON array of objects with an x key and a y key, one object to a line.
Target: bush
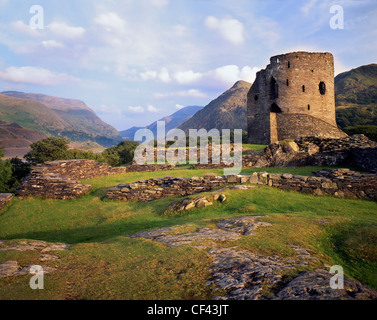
[
  {"x": 5, "y": 173},
  {"x": 11, "y": 173},
  {"x": 122, "y": 154},
  {"x": 369, "y": 131},
  {"x": 48, "y": 149}
]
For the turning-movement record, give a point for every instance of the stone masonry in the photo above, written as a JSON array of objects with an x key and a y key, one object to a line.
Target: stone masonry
[
  {"x": 339, "y": 182},
  {"x": 5, "y": 198},
  {"x": 293, "y": 97}
]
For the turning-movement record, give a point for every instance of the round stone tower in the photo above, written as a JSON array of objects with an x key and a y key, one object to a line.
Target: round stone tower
[{"x": 293, "y": 97}]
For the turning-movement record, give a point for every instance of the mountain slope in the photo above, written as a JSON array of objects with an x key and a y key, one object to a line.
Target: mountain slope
[
  {"x": 171, "y": 122},
  {"x": 16, "y": 140},
  {"x": 356, "y": 96},
  {"x": 228, "y": 111},
  {"x": 67, "y": 118}
]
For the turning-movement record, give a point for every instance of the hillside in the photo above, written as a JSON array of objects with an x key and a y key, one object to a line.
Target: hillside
[
  {"x": 171, "y": 122},
  {"x": 67, "y": 118},
  {"x": 228, "y": 111},
  {"x": 356, "y": 96},
  {"x": 16, "y": 140}
]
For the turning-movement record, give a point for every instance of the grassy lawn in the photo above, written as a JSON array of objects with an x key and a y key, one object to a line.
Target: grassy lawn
[{"x": 103, "y": 263}]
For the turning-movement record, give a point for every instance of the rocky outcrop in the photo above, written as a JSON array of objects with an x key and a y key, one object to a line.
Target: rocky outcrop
[
  {"x": 5, "y": 198},
  {"x": 354, "y": 151},
  {"x": 12, "y": 268},
  {"x": 246, "y": 275}
]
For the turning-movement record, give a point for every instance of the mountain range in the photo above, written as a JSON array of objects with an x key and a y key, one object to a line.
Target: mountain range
[
  {"x": 66, "y": 118},
  {"x": 171, "y": 122},
  {"x": 28, "y": 117},
  {"x": 356, "y": 96},
  {"x": 228, "y": 111}
]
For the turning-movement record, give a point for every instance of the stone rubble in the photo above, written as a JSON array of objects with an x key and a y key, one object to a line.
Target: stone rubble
[{"x": 5, "y": 198}]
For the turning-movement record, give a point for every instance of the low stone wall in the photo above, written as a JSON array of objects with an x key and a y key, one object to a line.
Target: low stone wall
[
  {"x": 78, "y": 169},
  {"x": 52, "y": 186},
  {"x": 149, "y": 167},
  {"x": 5, "y": 198},
  {"x": 339, "y": 182},
  {"x": 342, "y": 183},
  {"x": 152, "y": 189}
]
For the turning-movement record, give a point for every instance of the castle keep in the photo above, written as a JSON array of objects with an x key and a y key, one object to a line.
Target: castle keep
[{"x": 293, "y": 97}]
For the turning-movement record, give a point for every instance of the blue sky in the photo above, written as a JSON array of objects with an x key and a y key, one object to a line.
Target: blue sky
[{"x": 135, "y": 61}]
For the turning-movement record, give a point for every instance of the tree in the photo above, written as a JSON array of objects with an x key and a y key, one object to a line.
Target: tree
[
  {"x": 5, "y": 172},
  {"x": 122, "y": 154},
  {"x": 48, "y": 149},
  {"x": 126, "y": 150}
]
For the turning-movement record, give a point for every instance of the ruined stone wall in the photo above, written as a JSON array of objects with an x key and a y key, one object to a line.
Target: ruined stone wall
[
  {"x": 302, "y": 125},
  {"x": 339, "y": 182},
  {"x": 5, "y": 198},
  {"x": 153, "y": 189},
  {"x": 294, "y": 83},
  {"x": 79, "y": 169},
  {"x": 51, "y": 186}
]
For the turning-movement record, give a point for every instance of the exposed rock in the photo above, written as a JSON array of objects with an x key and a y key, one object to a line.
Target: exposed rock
[
  {"x": 357, "y": 151},
  {"x": 314, "y": 285},
  {"x": 246, "y": 275},
  {"x": 12, "y": 269},
  {"x": 243, "y": 225},
  {"x": 5, "y": 198}
]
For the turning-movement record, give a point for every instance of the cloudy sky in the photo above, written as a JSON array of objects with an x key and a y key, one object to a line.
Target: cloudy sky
[{"x": 135, "y": 61}]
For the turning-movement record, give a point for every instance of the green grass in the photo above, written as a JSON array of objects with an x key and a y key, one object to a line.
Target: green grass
[{"x": 103, "y": 263}]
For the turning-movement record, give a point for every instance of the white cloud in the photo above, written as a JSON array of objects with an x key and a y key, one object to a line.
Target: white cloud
[
  {"x": 186, "y": 77},
  {"x": 180, "y": 30},
  {"x": 179, "y": 106},
  {"x": 63, "y": 30},
  {"x": 191, "y": 93},
  {"x": 137, "y": 109},
  {"x": 159, "y": 3},
  {"x": 162, "y": 75},
  {"x": 21, "y": 27},
  {"x": 230, "y": 29},
  {"x": 230, "y": 74},
  {"x": 35, "y": 75},
  {"x": 148, "y": 75},
  {"x": 52, "y": 44},
  {"x": 152, "y": 109},
  {"x": 105, "y": 109},
  {"x": 111, "y": 22}
]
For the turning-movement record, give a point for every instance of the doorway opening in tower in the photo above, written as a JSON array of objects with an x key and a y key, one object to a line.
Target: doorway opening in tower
[{"x": 275, "y": 108}]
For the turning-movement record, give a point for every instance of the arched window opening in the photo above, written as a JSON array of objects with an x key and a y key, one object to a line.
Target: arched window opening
[
  {"x": 322, "y": 88},
  {"x": 308, "y": 107},
  {"x": 275, "y": 108},
  {"x": 287, "y": 82},
  {"x": 303, "y": 88},
  {"x": 256, "y": 97},
  {"x": 289, "y": 64},
  {"x": 274, "y": 89}
]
